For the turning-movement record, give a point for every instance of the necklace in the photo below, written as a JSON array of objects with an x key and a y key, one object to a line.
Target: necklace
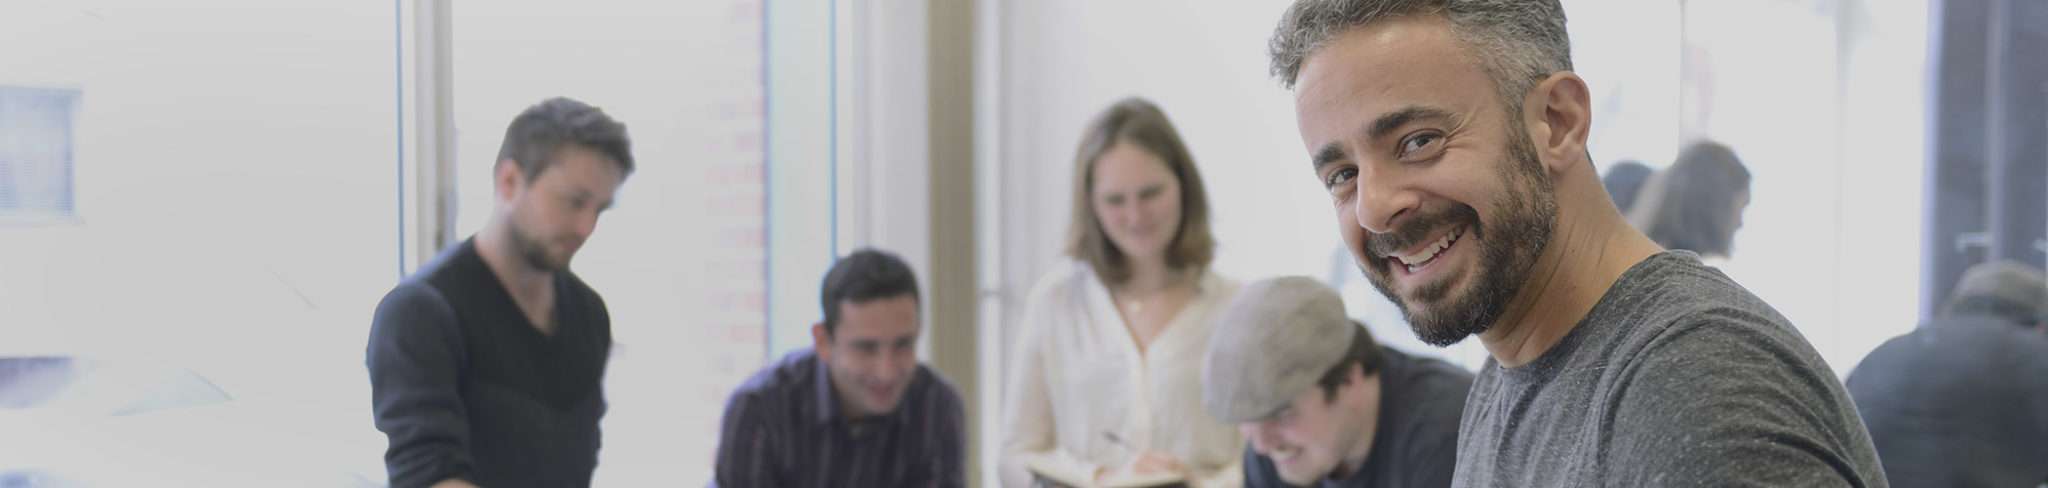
[{"x": 1134, "y": 304}]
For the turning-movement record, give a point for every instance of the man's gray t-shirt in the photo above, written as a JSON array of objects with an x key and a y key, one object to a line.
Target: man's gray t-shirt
[{"x": 1677, "y": 377}]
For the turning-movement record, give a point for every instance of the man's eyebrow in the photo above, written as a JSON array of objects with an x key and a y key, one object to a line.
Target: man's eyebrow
[
  {"x": 1392, "y": 121},
  {"x": 1379, "y": 128},
  {"x": 1330, "y": 153}
]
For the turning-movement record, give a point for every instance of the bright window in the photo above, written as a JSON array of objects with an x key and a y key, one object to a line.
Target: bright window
[{"x": 232, "y": 223}]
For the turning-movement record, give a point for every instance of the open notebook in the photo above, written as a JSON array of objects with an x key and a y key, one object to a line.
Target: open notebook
[{"x": 1069, "y": 477}]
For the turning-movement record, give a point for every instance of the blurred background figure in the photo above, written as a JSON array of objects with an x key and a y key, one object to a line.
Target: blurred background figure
[
  {"x": 1106, "y": 381},
  {"x": 1320, "y": 402},
  {"x": 1624, "y": 181},
  {"x": 1697, "y": 204},
  {"x": 857, "y": 408},
  {"x": 1963, "y": 399}
]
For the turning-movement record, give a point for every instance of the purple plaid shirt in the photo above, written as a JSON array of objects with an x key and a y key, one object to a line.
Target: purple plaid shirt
[{"x": 783, "y": 428}]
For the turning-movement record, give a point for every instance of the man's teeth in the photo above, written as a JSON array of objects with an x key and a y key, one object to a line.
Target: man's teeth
[{"x": 1430, "y": 252}]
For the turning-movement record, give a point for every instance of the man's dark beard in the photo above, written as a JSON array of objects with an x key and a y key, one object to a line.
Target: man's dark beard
[
  {"x": 1527, "y": 212},
  {"x": 534, "y": 252}
]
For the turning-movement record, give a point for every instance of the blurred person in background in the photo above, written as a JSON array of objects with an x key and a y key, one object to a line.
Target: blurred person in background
[
  {"x": 856, "y": 409},
  {"x": 1106, "y": 381},
  {"x": 1696, "y": 204},
  {"x": 487, "y": 364},
  {"x": 1624, "y": 180},
  {"x": 1963, "y": 399},
  {"x": 1320, "y": 402}
]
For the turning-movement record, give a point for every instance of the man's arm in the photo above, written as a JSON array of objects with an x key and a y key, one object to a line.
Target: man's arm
[
  {"x": 745, "y": 446},
  {"x": 1431, "y": 445},
  {"x": 1436, "y": 460},
  {"x": 415, "y": 359},
  {"x": 950, "y": 427}
]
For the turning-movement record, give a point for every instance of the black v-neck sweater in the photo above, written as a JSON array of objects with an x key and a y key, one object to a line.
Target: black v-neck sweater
[{"x": 466, "y": 387}]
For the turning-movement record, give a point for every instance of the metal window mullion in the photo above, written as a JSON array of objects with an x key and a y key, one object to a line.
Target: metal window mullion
[{"x": 433, "y": 129}]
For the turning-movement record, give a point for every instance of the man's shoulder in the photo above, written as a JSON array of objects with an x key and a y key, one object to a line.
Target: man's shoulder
[
  {"x": 444, "y": 273},
  {"x": 581, "y": 289},
  {"x": 793, "y": 372},
  {"x": 1694, "y": 345},
  {"x": 1962, "y": 357},
  {"x": 1672, "y": 304},
  {"x": 1423, "y": 427},
  {"x": 414, "y": 306},
  {"x": 937, "y": 390},
  {"x": 1426, "y": 368},
  {"x": 438, "y": 292},
  {"x": 1427, "y": 380},
  {"x": 1258, "y": 470},
  {"x": 778, "y": 391}
]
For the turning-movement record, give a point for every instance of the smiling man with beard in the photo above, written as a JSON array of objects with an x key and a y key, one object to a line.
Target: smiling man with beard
[
  {"x": 1451, "y": 135},
  {"x": 487, "y": 364}
]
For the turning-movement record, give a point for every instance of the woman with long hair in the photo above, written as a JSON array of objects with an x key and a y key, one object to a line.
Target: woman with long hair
[{"x": 1106, "y": 381}]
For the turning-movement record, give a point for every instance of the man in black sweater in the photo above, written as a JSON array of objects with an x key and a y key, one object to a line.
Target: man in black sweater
[{"x": 486, "y": 365}]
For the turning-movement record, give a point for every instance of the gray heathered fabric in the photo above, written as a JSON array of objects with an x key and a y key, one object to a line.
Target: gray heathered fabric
[{"x": 1678, "y": 377}]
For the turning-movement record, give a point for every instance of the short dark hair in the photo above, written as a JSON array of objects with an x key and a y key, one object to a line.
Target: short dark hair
[
  {"x": 1364, "y": 352},
  {"x": 544, "y": 128},
  {"x": 866, "y": 275},
  {"x": 1140, "y": 123}
]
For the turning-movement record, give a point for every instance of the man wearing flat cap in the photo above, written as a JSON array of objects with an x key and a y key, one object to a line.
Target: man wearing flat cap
[{"x": 1319, "y": 402}]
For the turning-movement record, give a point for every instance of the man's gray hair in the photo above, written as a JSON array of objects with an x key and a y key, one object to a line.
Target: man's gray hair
[{"x": 1517, "y": 42}]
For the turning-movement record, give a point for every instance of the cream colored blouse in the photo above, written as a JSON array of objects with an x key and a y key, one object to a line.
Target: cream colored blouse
[{"x": 1082, "y": 396}]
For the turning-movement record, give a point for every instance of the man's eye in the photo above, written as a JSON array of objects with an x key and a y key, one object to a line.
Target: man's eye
[
  {"x": 1418, "y": 142},
  {"x": 1339, "y": 177}
]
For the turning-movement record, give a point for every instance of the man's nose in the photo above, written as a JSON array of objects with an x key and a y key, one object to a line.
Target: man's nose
[{"x": 1382, "y": 198}]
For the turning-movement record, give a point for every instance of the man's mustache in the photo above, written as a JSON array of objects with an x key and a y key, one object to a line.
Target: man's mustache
[{"x": 1419, "y": 229}]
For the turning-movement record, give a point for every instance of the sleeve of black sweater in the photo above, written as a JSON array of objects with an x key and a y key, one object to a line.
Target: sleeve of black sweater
[{"x": 415, "y": 359}]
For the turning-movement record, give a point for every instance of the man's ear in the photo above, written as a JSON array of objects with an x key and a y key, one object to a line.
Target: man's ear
[
  {"x": 821, "y": 341},
  {"x": 1558, "y": 113},
  {"x": 506, "y": 178}
]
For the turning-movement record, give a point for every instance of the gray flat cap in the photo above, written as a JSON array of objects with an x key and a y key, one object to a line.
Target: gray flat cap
[
  {"x": 1272, "y": 342},
  {"x": 2007, "y": 281}
]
